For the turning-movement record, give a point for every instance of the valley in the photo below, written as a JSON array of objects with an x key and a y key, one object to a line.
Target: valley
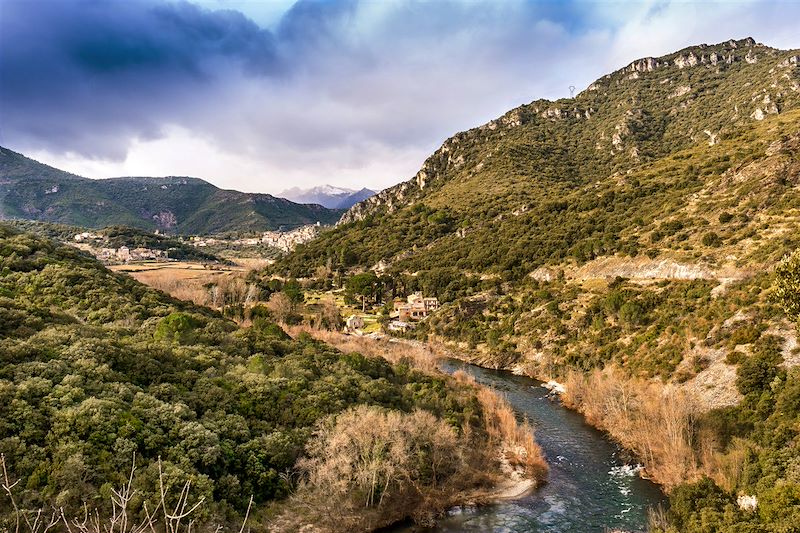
[
  {"x": 612, "y": 244},
  {"x": 579, "y": 316}
]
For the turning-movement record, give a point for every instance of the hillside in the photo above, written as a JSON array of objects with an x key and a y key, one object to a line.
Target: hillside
[
  {"x": 672, "y": 141},
  {"x": 624, "y": 242},
  {"x": 98, "y": 370},
  {"x": 33, "y": 191},
  {"x": 328, "y": 196}
]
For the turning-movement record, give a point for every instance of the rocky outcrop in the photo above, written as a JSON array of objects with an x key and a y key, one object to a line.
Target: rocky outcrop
[
  {"x": 643, "y": 268},
  {"x": 632, "y": 122},
  {"x": 647, "y": 64}
]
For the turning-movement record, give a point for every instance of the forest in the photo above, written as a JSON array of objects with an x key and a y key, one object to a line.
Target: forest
[{"x": 96, "y": 369}]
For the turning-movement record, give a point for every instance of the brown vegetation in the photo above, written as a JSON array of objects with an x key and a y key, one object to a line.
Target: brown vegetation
[
  {"x": 212, "y": 288},
  {"x": 500, "y": 422},
  {"x": 516, "y": 441},
  {"x": 369, "y": 467},
  {"x": 657, "y": 422},
  {"x": 417, "y": 354}
]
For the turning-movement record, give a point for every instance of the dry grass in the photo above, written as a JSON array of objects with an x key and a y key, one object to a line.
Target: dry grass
[
  {"x": 515, "y": 440},
  {"x": 655, "y": 421},
  {"x": 192, "y": 282},
  {"x": 418, "y": 355}
]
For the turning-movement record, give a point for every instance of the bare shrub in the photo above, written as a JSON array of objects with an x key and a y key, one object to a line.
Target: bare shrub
[
  {"x": 657, "y": 422},
  {"x": 281, "y": 307},
  {"x": 418, "y": 355},
  {"x": 369, "y": 466},
  {"x": 177, "y": 518},
  {"x": 515, "y": 439},
  {"x": 327, "y": 316}
]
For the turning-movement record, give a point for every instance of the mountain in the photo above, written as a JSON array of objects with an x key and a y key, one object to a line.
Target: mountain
[
  {"x": 590, "y": 176},
  {"x": 628, "y": 243},
  {"x": 34, "y": 191},
  {"x": 327, "y": 196}
]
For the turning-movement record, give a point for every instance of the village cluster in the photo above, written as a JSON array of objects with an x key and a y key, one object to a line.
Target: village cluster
[
  {"x": 282, "y": 240},
  {"x": 89, "y": 242}
]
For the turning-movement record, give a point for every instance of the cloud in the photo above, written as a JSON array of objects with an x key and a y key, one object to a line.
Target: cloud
[
  {"x": 352, "y": 92},
  {"x": 92, "y": 75}
]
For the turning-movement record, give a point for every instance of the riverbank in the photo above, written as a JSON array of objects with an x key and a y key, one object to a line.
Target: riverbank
[
  {"x": 519, "y": 464},
  {"x": 592, "y": 484},
  {"x": 652, "y": 421},
  {"x": 587, "y": 471}
]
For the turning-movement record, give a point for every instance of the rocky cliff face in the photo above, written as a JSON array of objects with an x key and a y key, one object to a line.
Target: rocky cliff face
[{"x": 638, "y": 113}]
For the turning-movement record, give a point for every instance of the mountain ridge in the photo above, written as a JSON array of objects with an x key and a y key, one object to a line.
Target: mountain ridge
[
  {"x": 328, "y": 196},
  {"x": 582, "y": 108},
  {"x": 31, "y": 190}
]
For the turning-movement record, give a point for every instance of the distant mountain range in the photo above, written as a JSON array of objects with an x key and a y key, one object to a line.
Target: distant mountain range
[
  {"x": 30, "y": 190},
  {"x": 328, "y": 196}
]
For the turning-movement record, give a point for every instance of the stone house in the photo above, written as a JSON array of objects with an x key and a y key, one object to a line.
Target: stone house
[
  {"x": 354, "y": 322},
  {"x": 416, "y": 307}
]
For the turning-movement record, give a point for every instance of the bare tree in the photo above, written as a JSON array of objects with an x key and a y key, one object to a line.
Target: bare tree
[{"x": 163, "y": 518}]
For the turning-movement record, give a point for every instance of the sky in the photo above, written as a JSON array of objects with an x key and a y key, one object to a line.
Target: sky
[{"x": 263, "y": 96}]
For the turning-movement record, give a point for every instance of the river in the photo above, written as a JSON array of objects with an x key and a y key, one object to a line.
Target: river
[{"x": 591, "y": 487}]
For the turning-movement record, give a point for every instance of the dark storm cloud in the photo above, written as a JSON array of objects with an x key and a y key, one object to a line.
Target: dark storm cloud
[
  {"x": 85, "y": 76},
  {"x": 353, "y": 91}
]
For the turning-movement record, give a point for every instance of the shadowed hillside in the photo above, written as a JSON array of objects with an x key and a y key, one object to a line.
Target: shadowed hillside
[{"x": 33, "y": 191}]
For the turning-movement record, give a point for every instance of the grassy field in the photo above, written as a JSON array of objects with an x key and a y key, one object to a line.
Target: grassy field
[{"x": 186, "y": 280}]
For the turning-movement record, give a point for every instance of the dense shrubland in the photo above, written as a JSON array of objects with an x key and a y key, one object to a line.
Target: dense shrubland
[
  {"x": 691, "y": 375},
  {"x": 95, "y": 367}
]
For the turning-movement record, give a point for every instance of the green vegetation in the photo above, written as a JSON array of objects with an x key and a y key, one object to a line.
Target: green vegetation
[
  {"x": 33, "y": 191},
  {"x": 695, "y": 165},
  {"x": 760, "y": 435},
  {"x": 616, "y": 170},
  {"x": 95, "y": 366},
  {"x": 787, "y": 290},
  {"x": 116, "y": 236}
]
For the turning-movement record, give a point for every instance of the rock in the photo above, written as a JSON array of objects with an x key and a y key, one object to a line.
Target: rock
[
  {"x": 543, "y": 274},
  {"x": 680, "y": 91},
  {"x": 554, "y": 387},
  {"x": 685, "y": 61},
  {"x": 747, "y": 503},
  {"x": 422, "y": 176},
  {"x": 647, "y": 64},
  {"x": 789, "y": 62}
]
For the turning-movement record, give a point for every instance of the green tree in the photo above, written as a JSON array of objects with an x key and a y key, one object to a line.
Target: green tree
[
  {"x": 293, "y": 291},
  {"x": 362, "y": 286},
  {"x": 787, "y": 285},
  {"x": 757, "y": 371}
]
